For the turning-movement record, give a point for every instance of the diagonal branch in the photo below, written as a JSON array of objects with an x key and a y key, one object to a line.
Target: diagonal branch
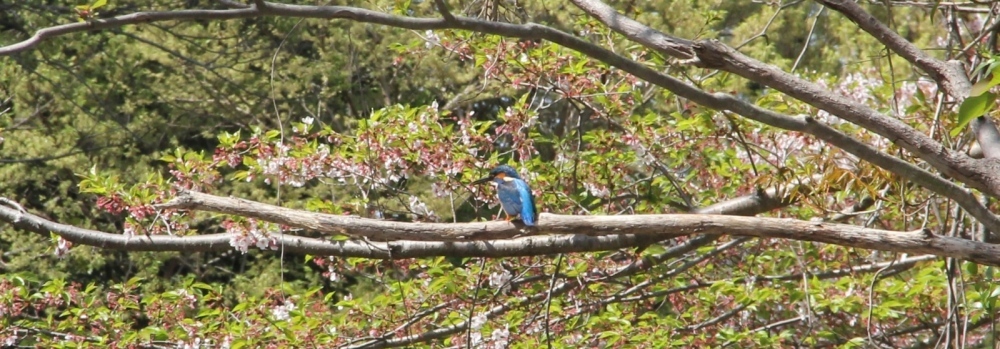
[
  {"x": 443, "y": 9},
  {"x": 950, "y": 75},
  {"x": 712, "y": 54}
]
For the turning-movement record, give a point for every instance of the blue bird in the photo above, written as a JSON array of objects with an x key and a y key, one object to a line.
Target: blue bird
[{"x": 514, "y": 193}]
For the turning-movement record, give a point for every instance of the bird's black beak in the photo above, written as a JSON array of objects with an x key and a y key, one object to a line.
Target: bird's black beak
[{"x": 482, "y": 180}]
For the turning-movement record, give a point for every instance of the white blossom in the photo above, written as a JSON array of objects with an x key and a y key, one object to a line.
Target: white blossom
[
  {"x": 129, "y": 231},
  {"x": 420, "y": 208},
  {"x": 240, "y": 242},
  {"x": 477, "y": 322},
  {"x": 501, "y": 280},
  {"x": 62, "y": 248},
  {"x": 347, "y": 297},
  {"x": 280, "y": 313},
  {"x": 500, "y": 337}
]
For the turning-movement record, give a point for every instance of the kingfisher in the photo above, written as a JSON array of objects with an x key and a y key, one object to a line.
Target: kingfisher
[{"x": 514, "y": 193}]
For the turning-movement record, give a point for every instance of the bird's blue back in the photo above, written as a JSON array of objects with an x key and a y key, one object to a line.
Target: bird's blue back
[{"x": 516, "y": 199}]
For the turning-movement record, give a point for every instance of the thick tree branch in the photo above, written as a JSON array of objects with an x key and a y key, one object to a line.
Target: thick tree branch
[
  {"x": 762, "y": 201},
  {"x": 526, "y": 246},
  {"x": 641, "y": 225},
  {"x": 617, "y": 231},
  {"x": 950, "y": 75}
]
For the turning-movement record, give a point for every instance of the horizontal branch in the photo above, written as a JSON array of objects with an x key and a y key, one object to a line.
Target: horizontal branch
[
  {"x": 664, "y": 225},
  {"x": 493, "y": 238},
  {"x": 526, "y": 246},
  {"x": 758, "y": 202},
  {"x": 383, "y": 230}
]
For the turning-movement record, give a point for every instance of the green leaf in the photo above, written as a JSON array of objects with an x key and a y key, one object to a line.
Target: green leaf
[
  {"x": 979, "y": 87},
  {"x": 243, "y": 306},
  {"x": 401, "y": 7},
  {"x": 995, "y": 293},
  {"x": 98, "y": 3},
  {"x": 134, "y": 281},
  {"x": 239, "y": 343},
  {"x": 209, "y": 313},
  {"x": 985, "y": 85},
  {"x": 340, "y": 237},
  {"x": 271, "y": 135},
  {"x": 972, "y": 268},
  {"x": 240, "y": 175},
  {"x": 203, "y": 286},
  {"x": 973, "y": 107}
]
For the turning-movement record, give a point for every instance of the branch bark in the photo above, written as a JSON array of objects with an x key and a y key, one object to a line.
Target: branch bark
[
  {"x": 493, "y": 239},
  {"x": 666, "y": 225},
  {"x": 759, "y": 202}
]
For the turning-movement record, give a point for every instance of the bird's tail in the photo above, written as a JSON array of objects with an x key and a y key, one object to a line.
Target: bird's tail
[{"x": 529, "y": 218}]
